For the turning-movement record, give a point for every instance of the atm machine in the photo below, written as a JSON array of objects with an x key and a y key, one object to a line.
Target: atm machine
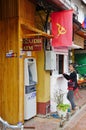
[{"x": 30, "y": 81}]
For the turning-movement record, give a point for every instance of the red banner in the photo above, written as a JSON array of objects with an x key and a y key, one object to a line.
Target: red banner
[{"x": 61, "y": 27}]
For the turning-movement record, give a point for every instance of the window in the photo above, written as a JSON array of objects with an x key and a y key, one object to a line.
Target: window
[{"x": 60, "y": 63}]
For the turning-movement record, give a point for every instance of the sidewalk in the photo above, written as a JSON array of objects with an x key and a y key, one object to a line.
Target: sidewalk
[
  {"x": 42, "y": 123},
  {"x": 76, "y": 122}
]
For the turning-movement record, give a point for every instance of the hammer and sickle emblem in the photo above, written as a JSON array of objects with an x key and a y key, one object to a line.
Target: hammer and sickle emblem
[{"x": 61, "y": 30}]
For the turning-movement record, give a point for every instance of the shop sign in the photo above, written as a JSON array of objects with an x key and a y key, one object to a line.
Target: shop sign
[{"x": 32, "y": 44}]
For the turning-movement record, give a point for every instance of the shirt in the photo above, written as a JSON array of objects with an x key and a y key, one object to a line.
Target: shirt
[{"x": 73, "y": 77}]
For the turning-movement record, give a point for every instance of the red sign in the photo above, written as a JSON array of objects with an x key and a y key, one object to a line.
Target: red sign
[
  {"x": 32, "y": 44},
  {"x": 62, "y": 28}
]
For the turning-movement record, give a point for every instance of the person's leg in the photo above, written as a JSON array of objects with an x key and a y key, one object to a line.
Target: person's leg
[{"x": 70, "y": 97}]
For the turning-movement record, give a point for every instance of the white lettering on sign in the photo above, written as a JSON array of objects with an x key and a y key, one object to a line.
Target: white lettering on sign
[{"x": 32, "y": 40}]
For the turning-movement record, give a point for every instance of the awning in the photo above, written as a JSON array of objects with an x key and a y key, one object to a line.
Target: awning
[
  {"x": 74, "y": 46},
  {"x": 64, "y": 50}
]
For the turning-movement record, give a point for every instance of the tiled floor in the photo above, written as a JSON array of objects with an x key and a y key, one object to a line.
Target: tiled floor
[{"x": 43, "y": 123}]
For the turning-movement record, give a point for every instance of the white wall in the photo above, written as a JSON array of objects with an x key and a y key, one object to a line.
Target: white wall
[
  {"x": 57, "y": 81},
  {"x": 81, "y": 9}
]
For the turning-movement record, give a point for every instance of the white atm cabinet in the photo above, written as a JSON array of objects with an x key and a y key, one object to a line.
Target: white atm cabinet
[
  {"x": 29, "y": 103},
  {"x": 30, "y": 80}
]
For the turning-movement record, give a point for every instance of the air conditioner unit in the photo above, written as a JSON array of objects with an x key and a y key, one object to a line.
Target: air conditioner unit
[{"x": 50, "y": 60}]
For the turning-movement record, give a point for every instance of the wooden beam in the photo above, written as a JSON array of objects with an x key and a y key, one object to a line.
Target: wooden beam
[
  {"x": 31, "y": 35},
  {"x": 29, "y": 27}
]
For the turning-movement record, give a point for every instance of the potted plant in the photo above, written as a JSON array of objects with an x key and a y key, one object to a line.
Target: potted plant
[{"x": 61, "y": 107}]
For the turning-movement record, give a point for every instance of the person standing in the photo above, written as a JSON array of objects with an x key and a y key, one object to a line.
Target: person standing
[{"x": 72, "y": 85}]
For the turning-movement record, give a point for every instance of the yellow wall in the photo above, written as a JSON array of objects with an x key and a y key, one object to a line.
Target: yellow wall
[
  {"x": 12, "y": 69},
  {"x": 43, "y": 87},
  {"x": 24, "y": 7},
  {"x": 9, "y": 70}
]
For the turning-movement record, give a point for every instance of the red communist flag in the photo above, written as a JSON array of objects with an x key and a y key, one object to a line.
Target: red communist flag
[{"x": 61, "y": 27}]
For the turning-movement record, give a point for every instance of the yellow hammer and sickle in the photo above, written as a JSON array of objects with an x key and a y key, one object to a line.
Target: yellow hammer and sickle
[{"x": 61, "y": 30}]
